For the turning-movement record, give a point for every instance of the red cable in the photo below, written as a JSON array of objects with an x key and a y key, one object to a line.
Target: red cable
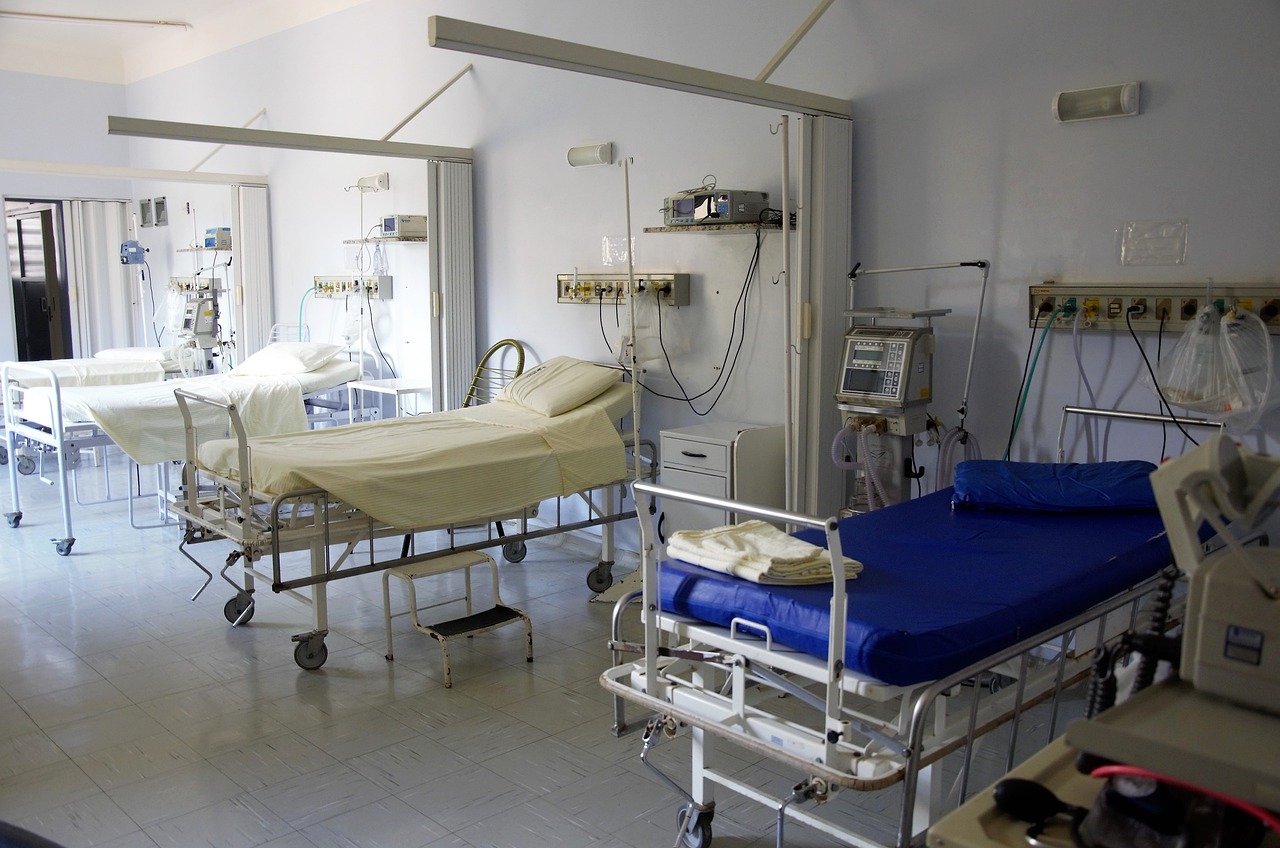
[{"x": 1267, "y": 818}]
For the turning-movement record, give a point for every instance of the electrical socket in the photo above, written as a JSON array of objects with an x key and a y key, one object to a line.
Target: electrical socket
[
  {"x": 673, "y": 289},
  {"x": 375, "y": 182},
  {"x": 1147, "y": 307}
]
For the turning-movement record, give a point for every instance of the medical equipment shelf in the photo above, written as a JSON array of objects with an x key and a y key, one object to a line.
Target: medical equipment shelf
[
  {"x": 721, "y": 228},
  {"x": 387, "y": 239},
  {"x": 204, "y": 250}
]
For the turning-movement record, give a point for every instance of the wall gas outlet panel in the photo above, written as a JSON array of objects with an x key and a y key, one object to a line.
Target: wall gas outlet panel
[
  {"x": 346, "y": 285},
  {"x": 611, "y": 288},
  {"x": 1157, "y": 306}
]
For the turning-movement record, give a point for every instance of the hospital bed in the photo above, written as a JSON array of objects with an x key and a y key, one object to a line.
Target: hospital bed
[
  {"x": 326, "y": 492},
  {"x": 144, "y": 420},
  {"x": 959, "y": 621},
  {"x": 113, "y": 367}
]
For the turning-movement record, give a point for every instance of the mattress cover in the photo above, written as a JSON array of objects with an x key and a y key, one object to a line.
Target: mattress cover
[
  {"x": 444, "y": 467},
  {"x": 940, "y": 589},
  {"x": 144, "y": 420},
  {"x": 93, "y": 372}
]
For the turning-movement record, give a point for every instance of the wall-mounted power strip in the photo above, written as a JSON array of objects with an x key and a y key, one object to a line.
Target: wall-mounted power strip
[
  {"x": 611, "y": 288},
  {"x": 1104, "y": 307},
  {"x": 345, "y": 285}
]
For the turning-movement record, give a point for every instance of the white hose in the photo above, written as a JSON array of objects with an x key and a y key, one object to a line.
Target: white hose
[
  {"x": 874, "y": 484},
  {"x": 945, "y": 464}
]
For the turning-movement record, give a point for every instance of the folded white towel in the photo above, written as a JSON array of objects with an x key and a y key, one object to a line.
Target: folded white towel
[{"x": 757, "y": 551}]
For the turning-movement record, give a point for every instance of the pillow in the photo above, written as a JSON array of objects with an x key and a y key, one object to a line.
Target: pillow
[
  {"x": 136, "y": 354},
  {"x": 1050, "y": 487},
  {"x": 559, "y": 384},
  {"x": 281, "y": 358}
]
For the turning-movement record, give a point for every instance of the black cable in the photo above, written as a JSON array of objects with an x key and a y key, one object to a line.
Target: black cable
[
  {"x": 726, "y": 367},
  {"x": 1022, "y": 384},
  {"x": 1164, "y": 425},
  {"x": 146, "y": 275},
  {"x": 1128, "y": 320},
  {"x": 373, "y": 331}
]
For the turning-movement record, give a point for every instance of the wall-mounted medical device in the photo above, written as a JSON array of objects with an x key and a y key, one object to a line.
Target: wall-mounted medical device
[
  {"x": 714, "y": 206},
  {"x": 888, "y": 372},
  {"x": 132, "y": 253},
  {"x": 376, "y": 287},
  {"x": 403, "y": 226},
  {"x": 218, "y": 238}
]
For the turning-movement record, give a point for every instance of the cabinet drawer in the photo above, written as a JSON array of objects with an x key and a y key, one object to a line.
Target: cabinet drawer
[{"x": 681, "y": 452}]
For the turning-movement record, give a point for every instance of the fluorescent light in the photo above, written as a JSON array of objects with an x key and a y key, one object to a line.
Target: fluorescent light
[
  {"x": 468, "y": 37},
  {"x": 117, "y": 125},
  {"x": 81, "y": 19}
]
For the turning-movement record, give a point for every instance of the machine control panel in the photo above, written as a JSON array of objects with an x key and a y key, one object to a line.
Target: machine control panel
[{"x": 886, "y": 366}]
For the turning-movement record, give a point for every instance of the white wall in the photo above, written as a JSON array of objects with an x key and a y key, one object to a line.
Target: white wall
[
  {"x": 54, "y": 120},
  {"x": 955, "y": 158}
]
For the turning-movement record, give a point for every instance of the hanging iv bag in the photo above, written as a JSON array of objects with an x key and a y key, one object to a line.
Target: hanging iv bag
[{"x": 1221, "y": 366}]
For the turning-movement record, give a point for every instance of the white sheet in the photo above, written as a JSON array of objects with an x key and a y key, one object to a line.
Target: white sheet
[
  {"x": 757, "y": 551},
  {"x": 91, "y": 372},
  {"x": 144, "y": 420},
  {"x": 446, "y": 467}
]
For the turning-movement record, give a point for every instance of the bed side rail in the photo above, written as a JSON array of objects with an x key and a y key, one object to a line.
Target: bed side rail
[
  {"x": 649, "y": 556},
  {"x": 190, "y": 470}
]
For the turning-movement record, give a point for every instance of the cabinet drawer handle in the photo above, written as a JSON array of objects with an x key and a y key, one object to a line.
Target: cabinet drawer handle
[{"x": 693, "y": 455}]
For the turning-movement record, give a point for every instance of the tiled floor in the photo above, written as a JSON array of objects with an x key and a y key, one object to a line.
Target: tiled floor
[{"x": 131, "y": 716}]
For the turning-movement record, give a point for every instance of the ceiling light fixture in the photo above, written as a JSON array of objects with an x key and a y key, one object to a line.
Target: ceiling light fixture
[
  {"x": 80, "y": 19},
  {"x": 468, "y": 37}
]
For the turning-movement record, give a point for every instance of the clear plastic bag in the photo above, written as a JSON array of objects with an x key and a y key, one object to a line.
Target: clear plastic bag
[
  {"x": 1246, "y": 346},
  {"x": 1195, "y": 374},
  {"x": 1221, "y": 366}
]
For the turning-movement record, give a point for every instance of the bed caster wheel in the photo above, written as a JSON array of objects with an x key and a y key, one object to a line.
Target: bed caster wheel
[
  {"x": 695, "y": 828},
  {"x": 239, "y": 610},
  {"x": 4, "y": 455},
  {"x": 14, "y": 518},
  {"x": 311, "y": 651},
  {"x": 600, "y": 578},
  {"x": 515, "y": 551},
  {"x": 26, "y": 465},
  {"x": 63, "y": 546}
]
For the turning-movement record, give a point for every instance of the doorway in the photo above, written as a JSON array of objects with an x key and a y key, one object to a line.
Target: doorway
[{"x": 38, "y": 276}]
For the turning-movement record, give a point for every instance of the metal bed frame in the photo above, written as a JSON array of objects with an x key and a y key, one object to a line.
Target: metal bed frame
[
  {"x": 840, "y": 730},
  {"x": 266, "y": 526},
  {"x": 63, "y": 442}
]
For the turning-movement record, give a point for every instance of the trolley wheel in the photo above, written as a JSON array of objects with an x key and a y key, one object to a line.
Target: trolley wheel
[
  {"x": 14, "y": 518},
  {"x": 4, "y": 455},
  {"x": 26, "y": 465},
  {"x": 310, "y": 653},
  {"x": 515, "y": 551},
  {"x": 63, "y": 546},
  {"x": 600, "y": 578},
  {"x": 236, "y": 607},
  {"x": 694, "y": 834}
]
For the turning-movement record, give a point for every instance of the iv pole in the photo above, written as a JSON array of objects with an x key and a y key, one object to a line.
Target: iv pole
[{"x": 788, "y": 363}]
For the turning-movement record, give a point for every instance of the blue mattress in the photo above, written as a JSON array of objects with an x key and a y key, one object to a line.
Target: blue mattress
[{"x": 940, "y": 589}]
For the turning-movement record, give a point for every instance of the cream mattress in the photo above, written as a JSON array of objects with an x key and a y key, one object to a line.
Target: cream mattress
[
  {"x": 446, "y": 467},
  {"x": 144, "y": 420},
  {"x": 92, "y": 372}
]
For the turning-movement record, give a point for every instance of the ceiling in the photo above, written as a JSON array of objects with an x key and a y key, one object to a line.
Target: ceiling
[{"x": 121, "y": 53}]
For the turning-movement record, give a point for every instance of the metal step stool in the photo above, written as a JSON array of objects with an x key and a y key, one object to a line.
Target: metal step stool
[{"x": 467, "y": 625}]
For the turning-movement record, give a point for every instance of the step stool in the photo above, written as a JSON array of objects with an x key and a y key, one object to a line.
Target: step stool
[{"x": 471, "y": 623}]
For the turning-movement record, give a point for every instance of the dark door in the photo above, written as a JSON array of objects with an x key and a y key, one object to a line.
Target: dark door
[{"x": 39, "y": 303}]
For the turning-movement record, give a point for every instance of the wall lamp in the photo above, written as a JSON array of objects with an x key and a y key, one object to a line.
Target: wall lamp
[
  {"x": 1086, "y": 104},
  {"x": 591, "y": 154}
]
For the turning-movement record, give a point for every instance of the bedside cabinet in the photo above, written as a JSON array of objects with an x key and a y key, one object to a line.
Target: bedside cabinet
[{"x": 721, "y": 459}]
